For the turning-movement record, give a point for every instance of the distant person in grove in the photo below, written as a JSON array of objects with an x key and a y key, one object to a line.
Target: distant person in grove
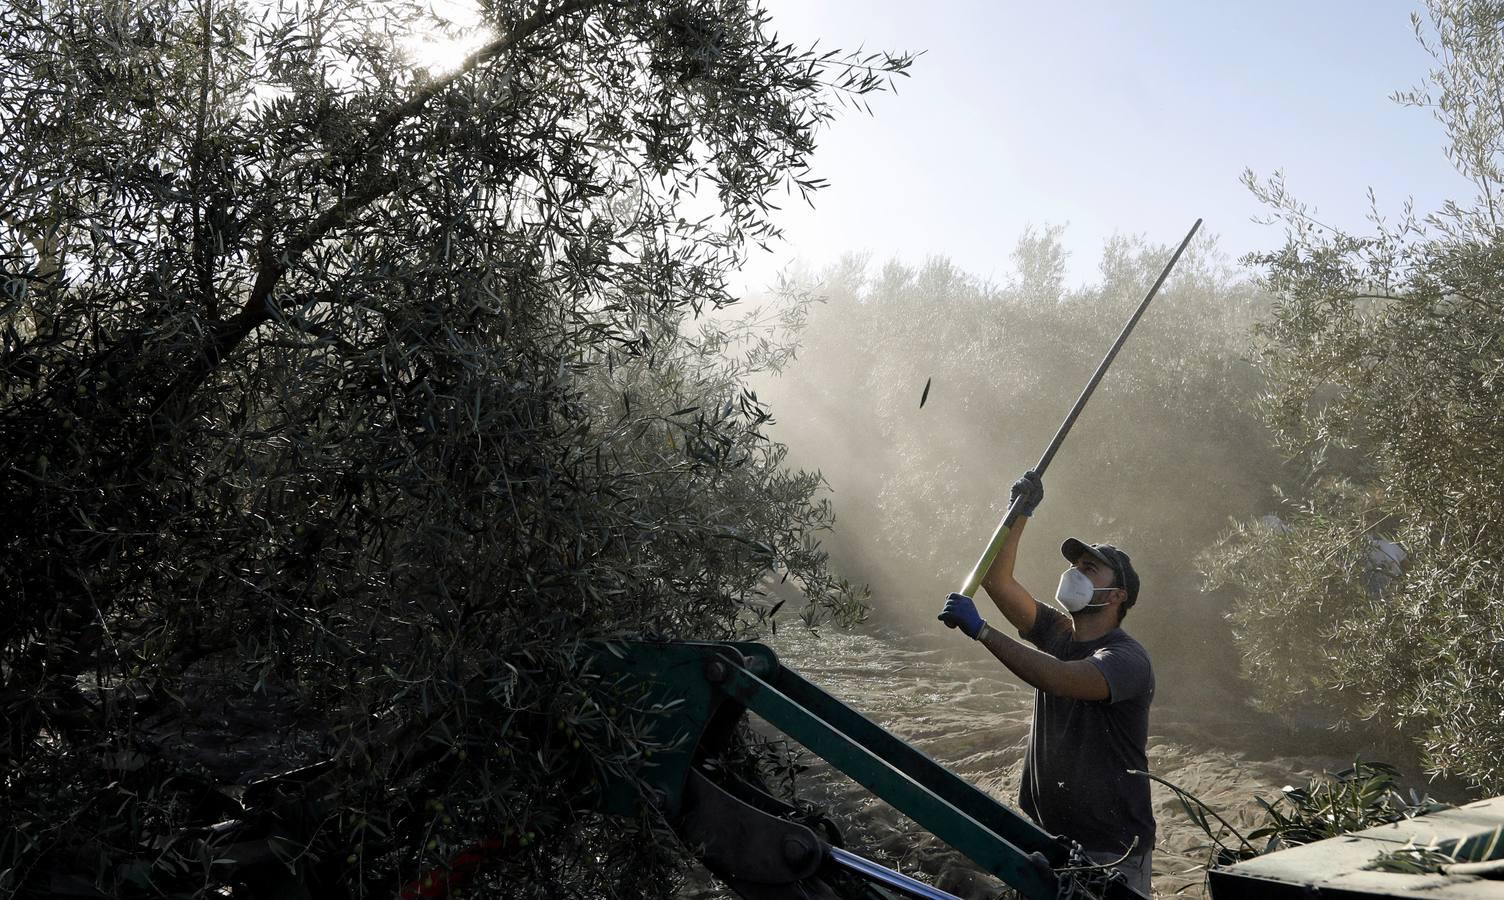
[{"x": 1093, "y": 687}]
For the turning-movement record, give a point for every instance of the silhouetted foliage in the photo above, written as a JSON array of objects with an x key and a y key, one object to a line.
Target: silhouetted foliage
[
  {"x": 1384, "y": 357},
  {"x": 1364, "y": 795},
  {"x": 341, "y": 400}
]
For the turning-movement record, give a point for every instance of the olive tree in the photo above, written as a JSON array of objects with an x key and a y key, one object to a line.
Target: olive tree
[
  {"x": 341, "y": 400},
  {"x": 1384, "y": 356}
]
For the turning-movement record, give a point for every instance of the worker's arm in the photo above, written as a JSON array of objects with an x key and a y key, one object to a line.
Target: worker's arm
[
  {"x": 1015, "y": 603},
  {"x": 1079, "y": 679}
]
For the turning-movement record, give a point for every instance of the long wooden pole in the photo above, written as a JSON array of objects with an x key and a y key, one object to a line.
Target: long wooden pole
[{"x": 974, "y": 580}]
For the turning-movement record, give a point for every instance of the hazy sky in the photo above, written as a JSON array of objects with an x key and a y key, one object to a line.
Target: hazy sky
[{"x": 1108, "y": 117}]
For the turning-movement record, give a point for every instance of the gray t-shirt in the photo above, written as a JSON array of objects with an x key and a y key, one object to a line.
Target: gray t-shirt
[{"x": 1076, "y": 782}]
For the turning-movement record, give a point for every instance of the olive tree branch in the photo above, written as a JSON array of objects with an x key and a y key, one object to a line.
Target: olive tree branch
[
  {"x": 203, "y": 257},
  {"x": 274, "y": 265}
]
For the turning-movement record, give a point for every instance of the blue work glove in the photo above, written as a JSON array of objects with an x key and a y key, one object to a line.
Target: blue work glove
[
  {"x": 1028, "y": 493},
  {"x": 961, "y": 613}
]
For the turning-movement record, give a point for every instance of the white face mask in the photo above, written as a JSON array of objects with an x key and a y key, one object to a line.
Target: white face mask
[{"x": 1076, "y": 591}]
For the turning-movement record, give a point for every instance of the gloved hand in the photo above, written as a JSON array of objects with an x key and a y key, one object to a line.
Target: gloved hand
[
  {"x": 961, "y": 613},
  {"x": 1028, "y": 493}
]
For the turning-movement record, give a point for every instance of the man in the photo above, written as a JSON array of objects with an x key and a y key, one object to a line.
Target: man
[{"x": 1093, "y": 687}]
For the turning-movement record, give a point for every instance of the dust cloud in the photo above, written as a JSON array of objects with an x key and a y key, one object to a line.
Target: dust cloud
[{"x": 1168, "y": 451}]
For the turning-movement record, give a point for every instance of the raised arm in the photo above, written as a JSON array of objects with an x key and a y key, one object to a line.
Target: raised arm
[{"x": 1011, "y": 598}]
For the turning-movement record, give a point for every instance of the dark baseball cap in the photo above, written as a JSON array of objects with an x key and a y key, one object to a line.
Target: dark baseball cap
[{"x": 1116, "y": 560}]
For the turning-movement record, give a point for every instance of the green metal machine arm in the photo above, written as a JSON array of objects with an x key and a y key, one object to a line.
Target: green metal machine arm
[
  {"x": 692, "y": 684},
  {"x": 908, "y": 780}
]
